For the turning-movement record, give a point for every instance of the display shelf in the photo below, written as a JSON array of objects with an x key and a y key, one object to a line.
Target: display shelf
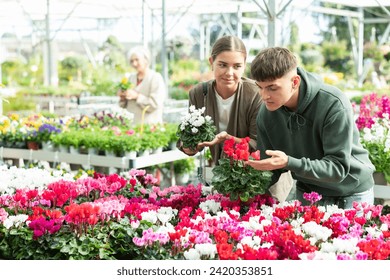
[
  {"x": 381, "y": 191},
  {"x": 92, "y": 160}
]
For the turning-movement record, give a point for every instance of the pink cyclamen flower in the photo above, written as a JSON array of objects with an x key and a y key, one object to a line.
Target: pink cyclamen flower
[
  {"x": 130, "y": 132},
  {"x": 312, "y": 197}
]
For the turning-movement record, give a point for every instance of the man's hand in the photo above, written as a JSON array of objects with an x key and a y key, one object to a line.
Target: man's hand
[{"x": 277, "y": 160}]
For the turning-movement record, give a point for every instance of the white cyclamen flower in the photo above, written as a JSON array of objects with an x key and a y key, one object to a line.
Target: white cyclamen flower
[
  {"x": 316, "y": 231},
  {"x": 192, "y": 254},
  {"x": 206, "y": 249},
  {"x": 149, "y": 216},
  {"x": 199, "y": 121},
  {"x": 210, "y": 206}
]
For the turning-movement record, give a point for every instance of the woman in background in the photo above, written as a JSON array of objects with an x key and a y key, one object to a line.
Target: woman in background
[{"x": 148, "y": 91}]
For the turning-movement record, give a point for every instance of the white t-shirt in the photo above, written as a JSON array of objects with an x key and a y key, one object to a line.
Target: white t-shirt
[{"x": 224, "y": 107}]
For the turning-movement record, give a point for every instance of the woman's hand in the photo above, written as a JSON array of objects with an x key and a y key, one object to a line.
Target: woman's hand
[
  {"x": 122, "y": 95},
  {"x": 128, "y": 94},
  {"x": 220, "y": 137},
  {"x": 277, "y": 160},
  {"x": 131, "y": 94}
]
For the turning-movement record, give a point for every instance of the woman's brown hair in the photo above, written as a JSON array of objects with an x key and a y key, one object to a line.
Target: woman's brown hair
[{"x": 228, "y": 43}]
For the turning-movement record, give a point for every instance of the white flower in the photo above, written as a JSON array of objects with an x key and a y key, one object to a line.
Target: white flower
[
  {"x": 210, "y": 206},
  {"x": 199, "y": 121},
  {"x": 192, "y": 254},
  {"x": 149, "y": 216},
  {"x": 194, "y": 130},
  {"x": 15, "y": 220},
  {"x": 8, "y": 223},
  {"x": 374, "y": 232},
  {"x": 339, "y": 245},
  {"x": 316, "y": 231},
  {"x": 250, "y": 242},
  {"x": 34, "y": 178},
  {"x": 206, "y": 249},
  {"x": 164, "y": 214}
]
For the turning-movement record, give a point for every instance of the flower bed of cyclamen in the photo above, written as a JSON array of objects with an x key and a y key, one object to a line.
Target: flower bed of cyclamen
[{"x": 129, "y": 217}]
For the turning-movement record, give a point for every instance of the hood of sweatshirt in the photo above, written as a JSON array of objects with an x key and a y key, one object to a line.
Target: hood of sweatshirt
[{"x": 308, "y": 89}]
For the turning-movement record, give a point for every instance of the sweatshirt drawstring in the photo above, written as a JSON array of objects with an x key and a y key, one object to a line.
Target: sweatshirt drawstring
[{"x": 295, "y": 118}]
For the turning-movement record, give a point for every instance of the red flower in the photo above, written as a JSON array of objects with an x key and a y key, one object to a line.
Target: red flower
[
  {"x": 256, "y": 155},
  {"x": 225, "y": 252}
]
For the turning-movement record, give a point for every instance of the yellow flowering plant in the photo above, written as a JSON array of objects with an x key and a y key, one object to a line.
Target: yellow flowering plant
[{"x": 125, "y": 84}]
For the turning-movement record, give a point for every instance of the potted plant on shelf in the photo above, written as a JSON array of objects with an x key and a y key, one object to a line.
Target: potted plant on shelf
[
  {"x": 32, "y": 139},
  {"x": 71, "y": 139},
  {"x": 130, "y": 144},
  {"x": 171, "y": 129},
  {"x": 45, "y": 132},
  {"x": 182, "y": 170},
  {"x": 89, "y": 141}
]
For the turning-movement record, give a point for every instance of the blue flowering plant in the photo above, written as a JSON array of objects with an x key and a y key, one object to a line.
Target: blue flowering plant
[{"x": 43, "y": 133}]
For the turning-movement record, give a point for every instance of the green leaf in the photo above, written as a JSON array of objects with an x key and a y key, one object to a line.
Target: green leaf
[
  {"x": 84, "y": 249},
  {"x": 244, "y": 197}
]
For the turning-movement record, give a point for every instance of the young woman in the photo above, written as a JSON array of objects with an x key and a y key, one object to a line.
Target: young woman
[{"x": 231, "y": 100}]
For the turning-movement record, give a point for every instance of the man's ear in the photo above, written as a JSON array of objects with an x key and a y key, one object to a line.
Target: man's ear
[{"x": 296, "y": 81}]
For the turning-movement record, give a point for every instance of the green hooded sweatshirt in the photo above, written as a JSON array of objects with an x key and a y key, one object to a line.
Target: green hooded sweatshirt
[{"x": 321, "y": 140}]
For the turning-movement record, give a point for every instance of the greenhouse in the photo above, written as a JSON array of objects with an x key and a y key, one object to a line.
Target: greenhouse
[{"x": 194, "y": 130}]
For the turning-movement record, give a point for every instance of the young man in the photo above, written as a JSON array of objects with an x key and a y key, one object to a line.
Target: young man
[{"x": 307, "y": 127}]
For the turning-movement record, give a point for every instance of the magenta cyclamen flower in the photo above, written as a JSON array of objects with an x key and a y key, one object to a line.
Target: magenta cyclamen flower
[
  {"x": 42, "y": 226},
  {"x": 312, "y": 197}
]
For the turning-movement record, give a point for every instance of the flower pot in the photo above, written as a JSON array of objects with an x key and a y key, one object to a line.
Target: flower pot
[
  {"x": 74, "y": 150},
  {"x": 63, "y": 149},
  {"x": 32, "y": 145},
  {"x": 47, "y": 146},
  {"x": 157, "y": 150},
  {"x": 8, "y": 144},
  {"x": 144, "y": 153},
  {"x": 83, "y": 150},
  {"x": 110, "y": 154},
  {"x": 131, "y": 154},
  {"x": 20, "y": 145},
  {"x": 172, "y": 146},
  {"x": 92, "y": 151},
  {"x": 379, "y": 178}
]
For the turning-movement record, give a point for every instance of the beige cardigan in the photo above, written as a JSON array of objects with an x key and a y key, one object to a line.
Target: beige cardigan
[
  {"x": 242, "y": 121},
  {"x": 152, "y": 93}
]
